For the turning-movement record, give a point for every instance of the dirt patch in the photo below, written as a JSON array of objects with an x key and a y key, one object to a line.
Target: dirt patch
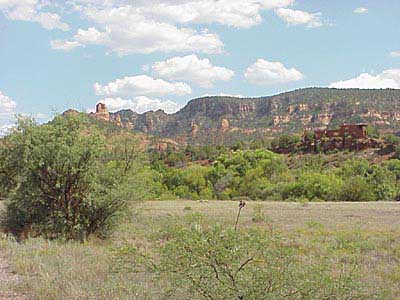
[{"x": 8, "y": 280}]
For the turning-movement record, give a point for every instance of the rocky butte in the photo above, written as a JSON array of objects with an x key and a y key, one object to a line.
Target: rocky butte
[{"x": 226, "y": 119}]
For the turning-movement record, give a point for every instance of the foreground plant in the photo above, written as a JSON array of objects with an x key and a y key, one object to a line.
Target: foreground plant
[
  {"x": 217, "y": 263},
  {"x": 57, "y": 182}
]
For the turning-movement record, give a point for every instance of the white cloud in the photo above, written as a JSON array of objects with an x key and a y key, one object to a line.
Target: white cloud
[
  {"x": 141, "y": 85},
  {"x": 299, "y": 17},
  {"x": 125, "y": 31},
  {"x": 5, "y": 129},
  {"x": 50, "y": 21},
  {"x": 64, "y": 45},
  {"x": 395, "y": 53},
  {"x": 360, "y": 10},
  {"x": 141, "y": 104},
  {"x": 156, "y": 26},
  {"x": 264, "y": 72},
  {"x": 387, "y": 79},
  {"x": 29, "y": 10},
  {"x": 224, "y": 95},
  {"x": 7, "y": 105},
  {"x": 271, "y": 4},
  {"x": 192, "y": 69},
  {"x": 7, "y": 112},
  {"x": 236, "y": 13}
]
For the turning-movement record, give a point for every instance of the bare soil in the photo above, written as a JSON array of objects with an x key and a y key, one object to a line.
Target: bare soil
[{"x": 8, "y": 280}]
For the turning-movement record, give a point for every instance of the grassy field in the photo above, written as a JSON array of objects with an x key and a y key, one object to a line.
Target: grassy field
[{"x": 104, "y": 269}]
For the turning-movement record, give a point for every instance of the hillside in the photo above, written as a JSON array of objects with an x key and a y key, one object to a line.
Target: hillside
[{"x": 226, "y": 119}]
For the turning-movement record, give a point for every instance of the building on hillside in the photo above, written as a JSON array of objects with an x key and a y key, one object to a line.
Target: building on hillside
[
  {"x": 347, "y": 136},
  {"x": 354, "y": 131}
]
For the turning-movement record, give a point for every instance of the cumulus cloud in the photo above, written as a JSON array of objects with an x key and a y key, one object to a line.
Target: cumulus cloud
[
  {"x": 29, "y": 10},
  {"x": 7, "y": 111},
  {"x": 360, "y": 10},
  {"x": 141, "y": 85},
  {"x": 395, "y": 53},
  {"x": 264, "y": 72},
  {"x": 387, "y": 79},
  {"x": 162, "y": 26},
  {"x": 64, "y": 45},
  {"x": 50, "y": 21},
  {"x": 193, "y": 69},
  {"x": 7, "y": 105},
  {"x": 141, "y": 104},
  {"x": 125, "y": 31},
  {"x": 236, "y": 13},
  {"x": 299, "y": 17}
]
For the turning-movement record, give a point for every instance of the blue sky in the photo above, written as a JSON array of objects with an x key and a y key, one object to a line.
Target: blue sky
[{"x": 155, "y": 54}]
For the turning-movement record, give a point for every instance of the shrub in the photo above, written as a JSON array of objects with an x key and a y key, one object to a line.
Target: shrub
[
  {"x": 313, "y": 186},
  {"x": 356, "y": 189},
  {"x": 217, "y": 263},
  {"x": 60, "y": 186}
]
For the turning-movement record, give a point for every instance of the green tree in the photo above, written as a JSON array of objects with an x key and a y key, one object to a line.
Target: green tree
[
  {"x": 313, "y": 186},
  {"x": 58, "y": 181}
]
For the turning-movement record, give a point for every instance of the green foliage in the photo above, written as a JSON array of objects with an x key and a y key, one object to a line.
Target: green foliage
[
  {"x": 216, "y": 263},
  {"x": 59, "y": 180},
  {"x": 246, "y": 173},
  {"x": 356, "y": 189},
  {"x": 397, "y": 151},
  {"x": 286, "y": 141},
  {"x": 370, "y": 182},
  {"x": 263, "y": 175},
  {"x": 189, "y": 183},
  {"x": 372, "y": 132},
  {"x": 313, "y": 186}
]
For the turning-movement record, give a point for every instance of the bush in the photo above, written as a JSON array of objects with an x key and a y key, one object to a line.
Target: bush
[
  {"x": 370, "y": 182},
  {"x": 217, "y": 263},
  {"x": 59, "y": 183},
  {"x": 356, "y": 189},
  {"x": 313, "y": 186}
]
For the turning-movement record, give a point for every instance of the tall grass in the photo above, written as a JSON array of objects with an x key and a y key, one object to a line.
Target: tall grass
[{"x": 112, "y": 269}]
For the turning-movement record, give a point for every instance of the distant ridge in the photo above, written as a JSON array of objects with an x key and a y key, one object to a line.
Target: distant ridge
[{"x": 225, "y": 119}]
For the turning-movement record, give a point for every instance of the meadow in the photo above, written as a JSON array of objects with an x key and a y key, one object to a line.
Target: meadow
[
  {"x": 365, "y": 233},
  {"x": 88, "y": 215}
]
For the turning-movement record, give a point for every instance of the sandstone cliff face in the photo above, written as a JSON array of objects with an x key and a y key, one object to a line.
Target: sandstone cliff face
[
  {"x": 224, "y": 125},
  {"x": 287, "y": 112},
  {"x": 102, "y": 112}
]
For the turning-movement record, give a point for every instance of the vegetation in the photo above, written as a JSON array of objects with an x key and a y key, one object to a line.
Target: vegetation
[
  {"x": 217, "y": 263},
  {"x": 75, "y": 179},
  {"x": 352, "y": 245},
  {"x": 60, "y": 180},
  {"x": 263, "y": 175}
]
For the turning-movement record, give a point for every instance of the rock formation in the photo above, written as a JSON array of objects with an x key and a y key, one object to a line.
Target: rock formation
[
  {"x": 102, "y": 112},
  {"x": 284, "y": 113}
]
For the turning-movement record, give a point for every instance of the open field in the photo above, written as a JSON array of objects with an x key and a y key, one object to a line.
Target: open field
[
  {"x": 291, "y": 215},
  {"x": 104, "y": 269}
]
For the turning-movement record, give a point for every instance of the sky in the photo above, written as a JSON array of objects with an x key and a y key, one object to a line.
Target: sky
[{"x": 159, "y": 54}]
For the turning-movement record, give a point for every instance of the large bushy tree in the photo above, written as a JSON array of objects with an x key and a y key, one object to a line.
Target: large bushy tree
[{"x": 57, "y": 180}]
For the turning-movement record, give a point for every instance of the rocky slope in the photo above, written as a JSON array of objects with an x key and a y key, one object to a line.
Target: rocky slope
[{"x": 225, "y": 119}]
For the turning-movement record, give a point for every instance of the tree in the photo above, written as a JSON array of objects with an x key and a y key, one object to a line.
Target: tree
[{"x": 58, "y": 181}]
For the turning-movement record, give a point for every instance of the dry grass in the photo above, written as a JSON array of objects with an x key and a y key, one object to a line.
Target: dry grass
[
  {"x": 374, "y": 216},
  {"x": 55, "y": 270}
]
